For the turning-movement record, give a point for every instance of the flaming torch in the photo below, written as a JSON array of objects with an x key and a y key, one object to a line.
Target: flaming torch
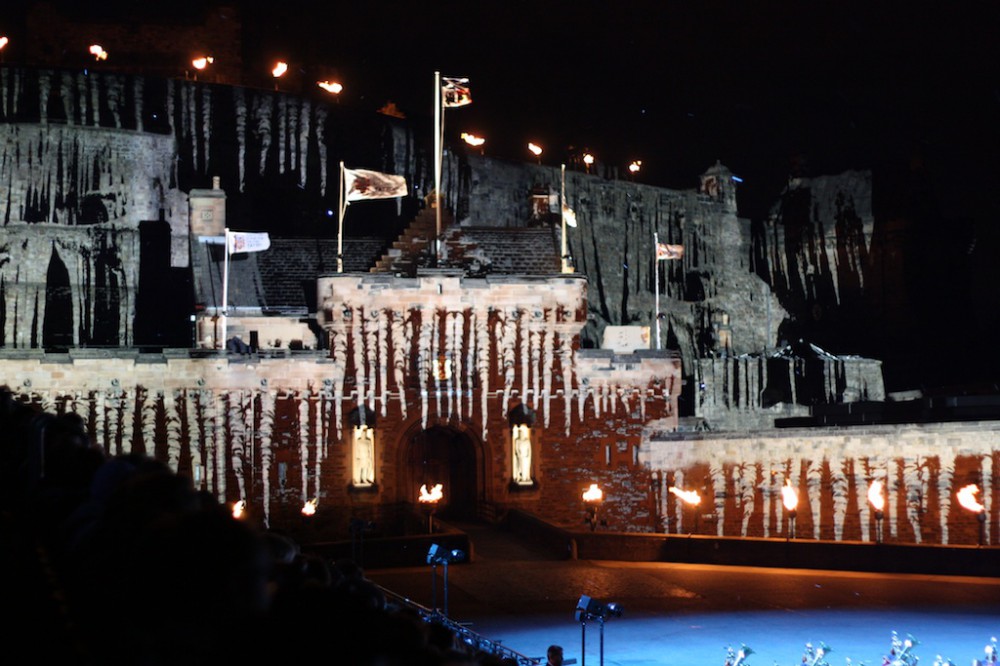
[
  {"x": 535, "y": 150},
  {"x": 239, "y": 509},
  {"x": 967, "y": 498},
  {"x": 592, "y": 498},
  {"x": 877, "y": 500},
  {"x": 690, "y": 497},
  {"x": 790, "y": 498},
  {"x": 332, "y": 87},
  {"x": 309, "y": 508},
  {"x": 429, "y": 500},
  {"x": 98, "y": 52}
]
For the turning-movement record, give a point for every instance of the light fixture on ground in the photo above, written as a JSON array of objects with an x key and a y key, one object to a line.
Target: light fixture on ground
[
  {"x": 438, "y": 555},
  {"x": 588, "y": 609}
]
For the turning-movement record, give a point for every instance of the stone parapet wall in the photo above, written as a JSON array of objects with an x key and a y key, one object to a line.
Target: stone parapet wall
[{"x": 740, "y": 476}]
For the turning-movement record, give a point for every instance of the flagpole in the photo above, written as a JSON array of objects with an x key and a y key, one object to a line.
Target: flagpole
[
  {"x": 562, "y": 215},
  {"x": 656, "y": 281},
  {"x": 225, "y": 292},
  {"x": 438, "y": 132},
  {"x": 340, "y": 221}
]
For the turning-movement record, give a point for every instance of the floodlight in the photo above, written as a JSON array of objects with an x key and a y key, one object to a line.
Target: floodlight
[
  {"x": 587, "y": 609},
  {"x": 438, "y": 555}
]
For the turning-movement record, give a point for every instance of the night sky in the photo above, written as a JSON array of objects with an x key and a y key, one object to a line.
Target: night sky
[{"x": 770, "y": 89}]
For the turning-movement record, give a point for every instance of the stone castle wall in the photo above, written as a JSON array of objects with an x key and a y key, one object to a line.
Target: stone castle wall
[{"x": 740, "y": 476}]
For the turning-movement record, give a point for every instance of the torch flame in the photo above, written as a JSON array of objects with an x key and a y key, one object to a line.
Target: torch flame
[
  {"x": 3, "y": 42},
  {"x": 789, "y": 496},
  {"x": 239, "y": 509},
  {"x": 434, "y": 495},
  {"x": 588, "y": 159},
  {"x": 689, "y": 496},
  {"x": 202, "y": 62},
  {"x": 98, "y": 52},
  {"x": 635, "y": 166},
  {"x": 593, "y": 494},
  {"x": 331, "y": 87},
  {"x": 875, "y": 496},
  {"x": 535, "y": 149},
  {"x": 967, "y": 498},
  {"x": 309, "y": 508},
  {"x": 472, "y": 139},
  {"x": 280, "y": 68}
]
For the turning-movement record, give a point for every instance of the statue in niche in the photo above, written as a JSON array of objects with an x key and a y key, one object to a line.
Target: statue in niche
[
  {"x": 364, "y": 456},
  {"x": 522, "y": 455}
]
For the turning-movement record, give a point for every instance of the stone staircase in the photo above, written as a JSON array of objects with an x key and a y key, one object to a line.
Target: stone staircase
[{"x": 415, "y": 246}]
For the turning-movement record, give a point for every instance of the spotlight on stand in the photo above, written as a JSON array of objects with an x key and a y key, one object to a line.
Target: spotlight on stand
[
  {"x": 437, "y": 555},
  {"x": 591, "y": 609}
]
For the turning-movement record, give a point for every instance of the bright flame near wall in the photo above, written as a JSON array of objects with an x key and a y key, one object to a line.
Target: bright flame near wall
[
  {"x": 789, "y": 496},
  {"x": 98, "y": 52},
  {"x": 875, "y": 496},
  {"x": 434, "y": 495},
  {"x": 967, "y": 498},
  {"x": 239, "y": 509},
  {"x": 202, "y": 62},
  {"x": 535, "y": 149},
  {"x": 635, "y": 166},
  {"x": 3, "y": 42},
  {"x": 472, "y": 139},
  {"x": 593, "y": 494},
  {"x": 279, "y": 70},
  {"x": 588, "y": 159},
  {"x": 309, "y": 508},
  {"x": 331, "y": 87},
  {"x": 688, "y": 496}
]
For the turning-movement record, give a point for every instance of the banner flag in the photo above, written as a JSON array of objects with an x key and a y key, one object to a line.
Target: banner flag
[
  {"x": 664, "y": 251},
  {"x": 361, "y": 184},
  {"x": 243, "y": 241},
  {"x": 456, "y": 91},
  {"x": 569, "y": 216}
]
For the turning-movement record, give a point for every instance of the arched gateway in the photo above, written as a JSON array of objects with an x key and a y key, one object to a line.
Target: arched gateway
[{"x": 448, "y": 456}]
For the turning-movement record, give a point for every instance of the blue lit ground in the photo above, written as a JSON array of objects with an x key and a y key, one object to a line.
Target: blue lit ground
[{"x": 685, "y": 614}]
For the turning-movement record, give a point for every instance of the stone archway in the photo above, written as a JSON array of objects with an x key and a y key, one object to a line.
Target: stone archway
[{"x": 449, "y": 456}]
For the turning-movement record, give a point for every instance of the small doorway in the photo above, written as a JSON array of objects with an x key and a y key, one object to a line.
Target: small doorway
[{"x": 447, "y": 456}]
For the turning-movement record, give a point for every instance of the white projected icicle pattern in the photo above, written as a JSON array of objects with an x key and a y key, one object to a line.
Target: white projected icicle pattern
[{"x": 832, "y": 475}]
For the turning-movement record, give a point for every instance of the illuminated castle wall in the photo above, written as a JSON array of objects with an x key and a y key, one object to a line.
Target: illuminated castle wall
[{"x": 441, "y": 365}]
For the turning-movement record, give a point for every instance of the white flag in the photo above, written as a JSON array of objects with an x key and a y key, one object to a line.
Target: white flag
[
  {"x": 455, "y": 91},
  {"x": 362, "y": 184},
  {"x": 243, "y": 241},
  {"x": 569, "y": 216}
]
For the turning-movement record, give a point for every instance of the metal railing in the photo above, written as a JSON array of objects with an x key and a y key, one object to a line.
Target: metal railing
[{"x": 468, "y": 637}]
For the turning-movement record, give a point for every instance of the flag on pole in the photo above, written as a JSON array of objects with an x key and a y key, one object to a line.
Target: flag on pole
[
  {"x": 665, "y": 251},
  {"x": 361, "y": 184},
  {"x": 569, "y": 216},
  {"x": 243, "y": 241},
  {"x": 455, "y": 91}
]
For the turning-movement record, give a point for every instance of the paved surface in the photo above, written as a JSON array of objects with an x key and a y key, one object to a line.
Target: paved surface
[{"x": 688, "y": 614}]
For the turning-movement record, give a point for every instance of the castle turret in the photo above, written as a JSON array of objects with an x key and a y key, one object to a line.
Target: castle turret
[{"x": 719, "y": 184}]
